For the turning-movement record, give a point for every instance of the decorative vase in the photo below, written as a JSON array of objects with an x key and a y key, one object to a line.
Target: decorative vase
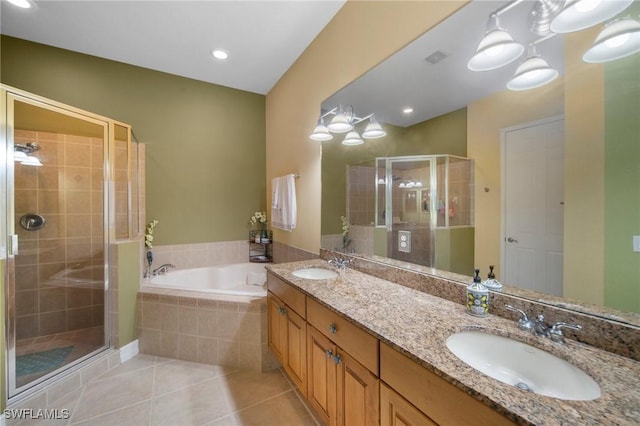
[{"x": 264, "y": 237}]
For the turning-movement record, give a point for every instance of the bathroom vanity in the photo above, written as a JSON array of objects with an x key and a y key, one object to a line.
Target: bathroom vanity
[{"x": 364, "y": 350}]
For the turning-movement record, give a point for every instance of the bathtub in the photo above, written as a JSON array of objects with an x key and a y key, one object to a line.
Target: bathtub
[{"x": 239, "y": 279}]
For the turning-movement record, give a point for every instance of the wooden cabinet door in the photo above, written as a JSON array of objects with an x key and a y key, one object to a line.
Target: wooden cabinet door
[
  {"x": 277, "y": 327},
  {"x": 358, "y": 393},
  {"x": 322, "y": 376},
  {"x": 295, "y": 361},
  {"x": 397, "y": 411}
]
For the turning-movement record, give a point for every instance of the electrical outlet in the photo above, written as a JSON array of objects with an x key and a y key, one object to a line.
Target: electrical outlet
[
  {"x": 404, "y": 241},
  {"x": 636, "y": 243}
]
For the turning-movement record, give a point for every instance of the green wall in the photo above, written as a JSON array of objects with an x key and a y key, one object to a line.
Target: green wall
[
  {"x": 622, "y": 172},
  {"x": 128, "y": 272},
  {"x": 454, "y": 250},
  {"x": 446, "y": 134},
  {"x": 206, "y": 160}
]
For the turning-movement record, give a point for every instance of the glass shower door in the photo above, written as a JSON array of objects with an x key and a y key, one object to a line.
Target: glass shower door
[
  {"x": 409, "y": 211},
  {"x": 57, "y": 280}
]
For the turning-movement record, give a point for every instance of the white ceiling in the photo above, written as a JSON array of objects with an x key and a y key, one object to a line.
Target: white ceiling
[
  {"x": 407, "y": 79},
  {"x": 263, "y": 38}
]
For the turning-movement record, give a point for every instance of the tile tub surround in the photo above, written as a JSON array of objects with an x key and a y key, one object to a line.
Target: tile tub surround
[
  {"x": 613, "y": 336},
  {"x": 230, "y": 331},
  {"x": 417, "y": 324},
  {"x": 188, "y": 256}
]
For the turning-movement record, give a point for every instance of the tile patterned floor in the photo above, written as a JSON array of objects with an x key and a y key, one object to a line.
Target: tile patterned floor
[{"x": 150, "y": 391}]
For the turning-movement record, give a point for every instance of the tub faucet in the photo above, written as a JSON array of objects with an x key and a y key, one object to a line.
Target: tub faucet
[{"x": 163, "y": 269}]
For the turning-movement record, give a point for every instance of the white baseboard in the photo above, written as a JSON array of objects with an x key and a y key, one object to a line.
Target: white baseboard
[{"x": 128, "y": 351}]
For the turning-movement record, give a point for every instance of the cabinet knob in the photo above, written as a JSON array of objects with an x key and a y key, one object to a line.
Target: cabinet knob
[
  {"x": 332, "y": 328},
  {"x": 329, "y": 353},
  {"x": 337, "y": 359},
  {"x": 282, "y": 310}
]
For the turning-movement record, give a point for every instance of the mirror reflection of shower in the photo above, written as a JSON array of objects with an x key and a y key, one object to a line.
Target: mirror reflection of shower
[{"x": 22, "y": 153}]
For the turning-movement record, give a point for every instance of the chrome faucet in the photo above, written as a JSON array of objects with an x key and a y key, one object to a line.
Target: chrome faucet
[
  {"x": 163, "y": 269},
  {"x": 539, "y": 327},
  {"x": 340, "y": 263}
]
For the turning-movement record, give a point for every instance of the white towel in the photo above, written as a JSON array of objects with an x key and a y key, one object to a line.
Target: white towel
[{"x": 284, "y": 211}]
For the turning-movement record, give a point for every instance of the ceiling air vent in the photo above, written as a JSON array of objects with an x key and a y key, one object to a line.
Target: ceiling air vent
[{"x": 436, "y": 57}]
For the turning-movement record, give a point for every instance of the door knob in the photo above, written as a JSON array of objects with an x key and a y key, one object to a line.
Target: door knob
[{"x": 511, "y": 240}]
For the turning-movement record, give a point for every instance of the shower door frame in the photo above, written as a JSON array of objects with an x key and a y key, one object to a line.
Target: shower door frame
[{"x": 8, "y": 95}]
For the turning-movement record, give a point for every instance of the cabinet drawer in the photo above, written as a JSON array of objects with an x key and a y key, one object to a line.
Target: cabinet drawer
[
  {"x": 437, "y": 398},
  {"x": 288, "y": 294},
  {"x": 353, "y": 340}
]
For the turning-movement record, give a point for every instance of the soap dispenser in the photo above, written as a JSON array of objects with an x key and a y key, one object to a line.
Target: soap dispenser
[
  {"x": 477, "y": 297},
  {"x": 491, "y": 282}
]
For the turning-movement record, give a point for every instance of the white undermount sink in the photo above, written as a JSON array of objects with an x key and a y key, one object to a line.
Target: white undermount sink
[
  {"x": 314, "y": 273},
  {"x": 523, "y": 366}
]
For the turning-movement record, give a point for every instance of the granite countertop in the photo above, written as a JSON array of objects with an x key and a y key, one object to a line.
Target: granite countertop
[{"x": 418, "y": 324}]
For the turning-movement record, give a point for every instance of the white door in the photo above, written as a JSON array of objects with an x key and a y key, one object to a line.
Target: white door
[{"x": 534, "y": 198}]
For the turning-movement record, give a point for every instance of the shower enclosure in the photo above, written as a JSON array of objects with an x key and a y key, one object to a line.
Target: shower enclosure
[
  {"x": 423, "y": 208},
  {"x": 67, "y": 196}
]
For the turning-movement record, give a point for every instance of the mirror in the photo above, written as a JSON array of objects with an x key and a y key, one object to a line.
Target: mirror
[{"x": 471, "y": 114}]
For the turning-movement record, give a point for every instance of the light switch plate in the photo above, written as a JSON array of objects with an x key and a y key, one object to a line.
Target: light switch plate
[{"x": 636, "y": 243}]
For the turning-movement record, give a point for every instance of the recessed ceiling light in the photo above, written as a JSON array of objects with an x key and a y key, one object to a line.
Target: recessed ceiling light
[
  {"x": 25, "y": 4},
  {"x": 407, "y": 110},
  {"x": 220, "y": 54}
]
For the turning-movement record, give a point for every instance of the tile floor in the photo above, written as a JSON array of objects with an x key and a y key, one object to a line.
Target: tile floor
[
  {"x": 84, "y": 341},
  {"x": 149, "y": 391}
]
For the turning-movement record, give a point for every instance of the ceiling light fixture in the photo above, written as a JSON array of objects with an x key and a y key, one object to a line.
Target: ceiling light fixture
[
  {"x": 496, "y": 49},
  {"x": 24, "y": 4},
  {"x": 580, "y": 14},
  {"x": 407, "y": 110},
  {"x": 532, "y": 72},
  {"x": 618, "y": 39},
  {"x": 220, "y": 54}
]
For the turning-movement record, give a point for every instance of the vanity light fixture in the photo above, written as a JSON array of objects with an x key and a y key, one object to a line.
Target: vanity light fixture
[
  {"x": 24, "y": 4},
  {"x": 341, "y": 122},
  {"x": 220, "y": 54},
  {"x": 373, "y": 130},
  {"x": 352, "y": 138},
  {"x": 496, "y": 49},
  {"x": 580, "y": 14},
  {"x": 321, "y": 132},
  {"x": 532, "y": 72},
  {"x": 618, "y": 39}
]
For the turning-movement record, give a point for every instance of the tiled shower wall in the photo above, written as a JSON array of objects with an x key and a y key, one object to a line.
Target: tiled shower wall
[{"x": 68, "y": 191}]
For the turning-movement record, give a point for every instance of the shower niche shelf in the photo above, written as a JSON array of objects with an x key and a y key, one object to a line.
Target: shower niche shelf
[{"x": 260, "y": 250}]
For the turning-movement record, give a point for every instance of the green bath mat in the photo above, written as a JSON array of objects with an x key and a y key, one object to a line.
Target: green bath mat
[{"x": 39, "y": 362}]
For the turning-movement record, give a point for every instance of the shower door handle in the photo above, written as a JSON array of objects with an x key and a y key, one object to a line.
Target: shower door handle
[
  {"x": 13, "y": 244},
  {"x": 511, "y": 240}
]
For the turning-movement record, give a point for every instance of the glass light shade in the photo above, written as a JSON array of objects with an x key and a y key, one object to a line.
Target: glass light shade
[
  {"x": 618, "y": 39},
  {"x": 21, "y": 3},
  {"x": 373, "y": 131},
  {"x": 321, "y": 133},
  {"x": 580, "y": 14},
  {"x": 402, "y": 185},
  {"x": 31, "y": 161},
  {"x": 531, "y": 73},
  {"x": 495, "y": 50},
  {"x": 19, "y": 156},
  {"x": 352, "y": 138},
  {"x": 340, "y": 124}
]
